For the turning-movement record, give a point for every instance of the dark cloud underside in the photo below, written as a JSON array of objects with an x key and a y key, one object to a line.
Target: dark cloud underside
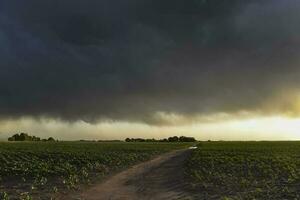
[{"x": 129, "y": 59}]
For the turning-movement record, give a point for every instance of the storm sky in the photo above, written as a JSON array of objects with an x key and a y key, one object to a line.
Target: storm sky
[{"x": 147, "y": 63}]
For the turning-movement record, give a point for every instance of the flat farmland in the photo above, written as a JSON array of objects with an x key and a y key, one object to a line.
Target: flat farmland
[
  {"x": 42, "y": 170},
  {"x": 245, "y": 170},
  {"x": 115, "y": 170}
]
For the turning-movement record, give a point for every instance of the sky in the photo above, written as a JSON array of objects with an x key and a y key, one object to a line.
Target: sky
[{"x": 111, "y": 69}]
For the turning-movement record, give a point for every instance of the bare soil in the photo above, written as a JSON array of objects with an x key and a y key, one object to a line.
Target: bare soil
[{"x": 158, "y": 179}]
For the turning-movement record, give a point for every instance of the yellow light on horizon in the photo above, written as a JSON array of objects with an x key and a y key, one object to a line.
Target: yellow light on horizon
[
  {"x": 260, "y": 128},
  {"x": 231, "y": 128}
]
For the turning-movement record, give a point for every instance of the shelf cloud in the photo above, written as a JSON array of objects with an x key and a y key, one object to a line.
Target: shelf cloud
[{"x": 148, "y": 62}]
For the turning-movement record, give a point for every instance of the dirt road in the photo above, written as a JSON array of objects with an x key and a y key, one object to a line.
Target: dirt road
[{"x": 157, "y": 179}]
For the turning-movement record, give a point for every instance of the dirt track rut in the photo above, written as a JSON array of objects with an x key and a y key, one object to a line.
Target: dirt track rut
[{"x": 159, "y": 179}]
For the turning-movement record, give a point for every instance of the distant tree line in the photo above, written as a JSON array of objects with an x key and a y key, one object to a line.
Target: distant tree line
[
  {"x": 100, "y": 141},
  {"x": 26, "y": 137},
  {"x": 170, "y": 139}
]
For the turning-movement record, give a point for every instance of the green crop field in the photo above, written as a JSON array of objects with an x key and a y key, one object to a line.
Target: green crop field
[
  {"x": 245, "y": 170},
  {"x": 29, "y": 169},
  {"x": 216, "y": 170}
]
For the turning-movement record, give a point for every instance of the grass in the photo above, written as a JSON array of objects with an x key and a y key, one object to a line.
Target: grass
[
  {"x": 29, "y": 169},
  {"x": 245, "y": 170}
]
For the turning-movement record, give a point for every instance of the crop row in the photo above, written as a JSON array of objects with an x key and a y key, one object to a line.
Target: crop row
[
  {"x": 245, "y": 170},
  {"x": 31, "y": 168}
]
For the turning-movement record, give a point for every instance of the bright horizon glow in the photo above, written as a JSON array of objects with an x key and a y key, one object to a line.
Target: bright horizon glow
[{"x": 256, "y": 128}]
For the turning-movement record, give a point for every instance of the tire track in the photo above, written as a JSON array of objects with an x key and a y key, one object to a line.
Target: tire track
[{"x": 159, "y": 179}]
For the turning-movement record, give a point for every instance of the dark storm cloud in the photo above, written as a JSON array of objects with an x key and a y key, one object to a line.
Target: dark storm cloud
[{"x": 129, "y": 59}]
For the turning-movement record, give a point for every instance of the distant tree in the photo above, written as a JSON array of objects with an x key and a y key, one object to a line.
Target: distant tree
[
  {"x": 140, "y": 140},
  {"x": 20, "y": 137},
  {"x": 173, "y": 139},
  {"x": 163, "y": 140},
  {"x": 170, "y": 139},
  {"x": 186, "y": 139},
  {"x": 34, "y": 138},
  {"x": 26, "y": 137},
  {"x": 51, "y": 139},
  {"x": 12, "y": 138},
  {"x": 151, "y": 140}
]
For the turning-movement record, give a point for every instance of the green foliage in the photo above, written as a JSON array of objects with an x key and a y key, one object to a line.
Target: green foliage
[
  {"x": 51, "y": 139},
  {"x": 246, "y": 170},
  {"x": 26, "y": 137},
  {"x": 54, "y": 167},
  {"x": 173, "y": 139},
  {"x": 186, "y": 139},
  {"x": 23, "y": 137},
  {"x": 4, "y": 196}
]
